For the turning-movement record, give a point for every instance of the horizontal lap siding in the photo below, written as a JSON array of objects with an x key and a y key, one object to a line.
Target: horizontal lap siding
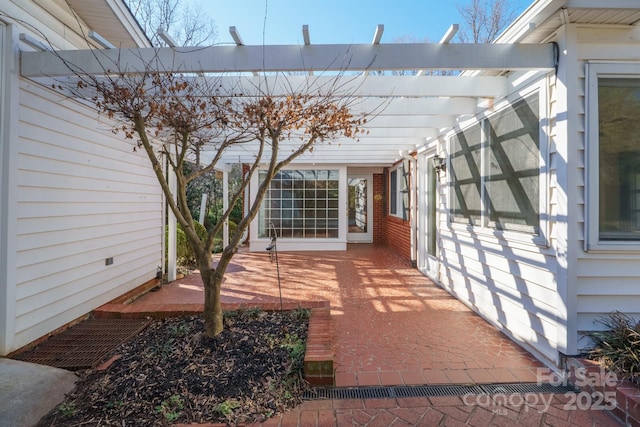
[
  {"x": 83, "y": 196},
  {"x": 510, "y": 282},
  {"x": 605, "y": 282},
  {"x": 512, "y": 288}
]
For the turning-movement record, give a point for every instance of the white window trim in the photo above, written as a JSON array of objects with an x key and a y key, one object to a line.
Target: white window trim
[
  {"x": 594, "y": 71},
  {"x": 483, "y": 228},
  {"x": 400, "y": 190}
]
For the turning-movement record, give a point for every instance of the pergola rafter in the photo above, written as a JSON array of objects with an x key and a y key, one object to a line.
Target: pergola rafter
[{"x": 405, "y": 110}]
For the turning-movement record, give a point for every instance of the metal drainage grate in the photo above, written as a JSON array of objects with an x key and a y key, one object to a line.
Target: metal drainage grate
[
  {"x": 432, "y": 390},
  {"x": 84, "y": 345}
]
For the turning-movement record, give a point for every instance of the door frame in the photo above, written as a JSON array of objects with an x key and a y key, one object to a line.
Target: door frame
[
  {"x": 427, "y": 263},
  {"x": 368, "y": 236}
]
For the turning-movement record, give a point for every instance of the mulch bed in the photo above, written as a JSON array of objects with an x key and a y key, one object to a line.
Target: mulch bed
[{"x": 173, "y": 373}]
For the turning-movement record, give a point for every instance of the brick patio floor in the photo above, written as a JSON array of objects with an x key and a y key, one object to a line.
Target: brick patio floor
[{"x": 392, "y": 326}]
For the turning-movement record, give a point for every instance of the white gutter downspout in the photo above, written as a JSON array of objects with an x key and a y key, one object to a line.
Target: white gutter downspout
[{"x": 413, "y": 215}]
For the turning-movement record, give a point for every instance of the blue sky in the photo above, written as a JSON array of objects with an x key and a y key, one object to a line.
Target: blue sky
[{"x": 335, "y": 21}]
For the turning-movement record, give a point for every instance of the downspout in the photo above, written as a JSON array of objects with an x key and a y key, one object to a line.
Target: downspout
[{"x": 413, "y": 216}]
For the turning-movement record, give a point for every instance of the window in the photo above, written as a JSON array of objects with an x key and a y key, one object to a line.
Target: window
[
  {"x": 513, "y": 169},
  {"x": 614, "y": 156},
  {"x": 301, "y": 204},
  {"x": 495, "y": 169},
  {"x": 399, "y": 191},
  {"x": 466, "y": 176}
]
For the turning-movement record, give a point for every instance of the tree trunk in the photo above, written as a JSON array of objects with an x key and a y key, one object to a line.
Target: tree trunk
[{"x": 213, "y": 322}]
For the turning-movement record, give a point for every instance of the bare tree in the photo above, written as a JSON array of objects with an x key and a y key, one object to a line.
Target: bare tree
[
  {"x": 187, "y": 25},
  {"x": 484, "y": 20},
  {"x": 183, "y": 119}
]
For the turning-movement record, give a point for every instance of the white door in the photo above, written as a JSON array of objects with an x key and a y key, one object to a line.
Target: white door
[
  {"x": 427, "y": 216},
  {"x": 360, "y": 208}
]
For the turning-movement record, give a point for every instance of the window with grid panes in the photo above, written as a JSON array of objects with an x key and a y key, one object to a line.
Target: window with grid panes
[{"x": 301, "y": 204}]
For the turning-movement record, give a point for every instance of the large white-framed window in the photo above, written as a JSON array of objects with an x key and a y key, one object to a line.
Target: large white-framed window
[
  {"x": 498, "y": 168},
  {"x": 399, "y": 190},
  {"x": 613, "y": 152},
  {"x": 301, "y": 204}
]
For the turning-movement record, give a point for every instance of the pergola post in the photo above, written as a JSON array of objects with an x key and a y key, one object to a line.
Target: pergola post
[
  {"x": 225, "y": 206},
  {"x": 171, "y": 234}
]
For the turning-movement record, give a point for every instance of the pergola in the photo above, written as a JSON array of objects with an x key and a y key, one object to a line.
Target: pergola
[
  {"x": 412, "y": 104},
  {"x": 418, "y": 105}
]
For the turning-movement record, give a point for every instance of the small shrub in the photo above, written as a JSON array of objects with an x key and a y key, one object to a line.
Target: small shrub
[
  {"x": 184, "y": 251},
  {"x": 296, "y": 347},
  {"x": 170, "y": 408},
  {"x": 617, "y": 347},
  {"x": 226, "y": 408},
  {"x": 67, "y": 409}
]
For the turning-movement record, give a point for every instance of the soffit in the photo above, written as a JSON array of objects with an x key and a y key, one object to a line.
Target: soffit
[{"x": 111, "y": 19}]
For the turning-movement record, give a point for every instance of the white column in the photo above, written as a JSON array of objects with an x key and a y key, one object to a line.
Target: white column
[
  {"x": 225, "y": 206},
  {"x": 9, "y": 106},
  {"x": 203, "y": 208},
  {"x": 171, "y": 235}
]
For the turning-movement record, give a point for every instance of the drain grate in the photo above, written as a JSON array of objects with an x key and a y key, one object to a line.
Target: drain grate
[
  {"x": 84, "y": 345},
  {"x": 432, "y": 390}
]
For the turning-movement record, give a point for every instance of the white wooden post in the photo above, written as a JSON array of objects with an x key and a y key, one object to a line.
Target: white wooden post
[
  {"x": 225, "y": 206},
  {"x": 172, "y": 232},
  {"x": 203, "y": 207}
]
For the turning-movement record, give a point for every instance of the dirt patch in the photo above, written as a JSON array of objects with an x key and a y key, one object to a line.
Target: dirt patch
[{"x": 172, "y": 373}]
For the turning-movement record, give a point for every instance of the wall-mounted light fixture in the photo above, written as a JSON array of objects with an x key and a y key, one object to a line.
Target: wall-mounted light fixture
[{"x": 439, "y": 164}]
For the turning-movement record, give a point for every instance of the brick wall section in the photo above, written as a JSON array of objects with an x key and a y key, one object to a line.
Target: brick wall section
[
  {"x": 397, "y": 236},
  {"x": 378, "y": 208},
  {"x": 396, "y": 232}
]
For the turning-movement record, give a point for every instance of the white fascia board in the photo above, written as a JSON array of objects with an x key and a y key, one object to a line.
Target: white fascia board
[
  {"x": 237, "y": 59},
  {"x": 536, "y": 14}
]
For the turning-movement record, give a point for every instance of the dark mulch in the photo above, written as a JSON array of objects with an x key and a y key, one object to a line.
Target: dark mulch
[{"x": 173, "y": 373}]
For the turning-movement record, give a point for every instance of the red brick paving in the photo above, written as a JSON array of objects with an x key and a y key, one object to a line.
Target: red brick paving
[{"x": 392, "y": 326}]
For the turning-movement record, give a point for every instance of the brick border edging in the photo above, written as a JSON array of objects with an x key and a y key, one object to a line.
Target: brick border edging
[
  {"x": 627, "y": 394},
  {"x": 318, "y": 358}
]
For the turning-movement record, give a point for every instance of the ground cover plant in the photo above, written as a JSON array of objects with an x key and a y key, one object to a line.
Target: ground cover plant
[
  {"x": 174, "y": 373},
  {"x": 617, "y": 346}
]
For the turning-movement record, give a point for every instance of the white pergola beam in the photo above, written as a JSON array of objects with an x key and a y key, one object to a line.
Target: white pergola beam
[
  {"x": 305, "y": 35},
  {"x": 162, "y": 33},
  {"x": 372, "y": 86},
  {"x": 100, "y": 40},
  {"x": 428, "y": 106},
  {"x": 229, "y": 59},
  {"x": 235, "y": 35},
  {"x": 33, "y": 42},
  {"x": 458, "y": 91},
  {"x": 382, "y": 137},
  {"x": 377, "y": 36},
  {"x": 450, "y": 34},
  {"x": 400, "y": 122}
]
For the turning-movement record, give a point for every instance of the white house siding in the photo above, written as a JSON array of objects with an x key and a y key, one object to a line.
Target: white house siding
[
  {"x": 83, "y": 196},
  {"x": 605, "y": 281},
  {"x": 511, "y": 285},
  {"x": 508, "y": 278}
]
